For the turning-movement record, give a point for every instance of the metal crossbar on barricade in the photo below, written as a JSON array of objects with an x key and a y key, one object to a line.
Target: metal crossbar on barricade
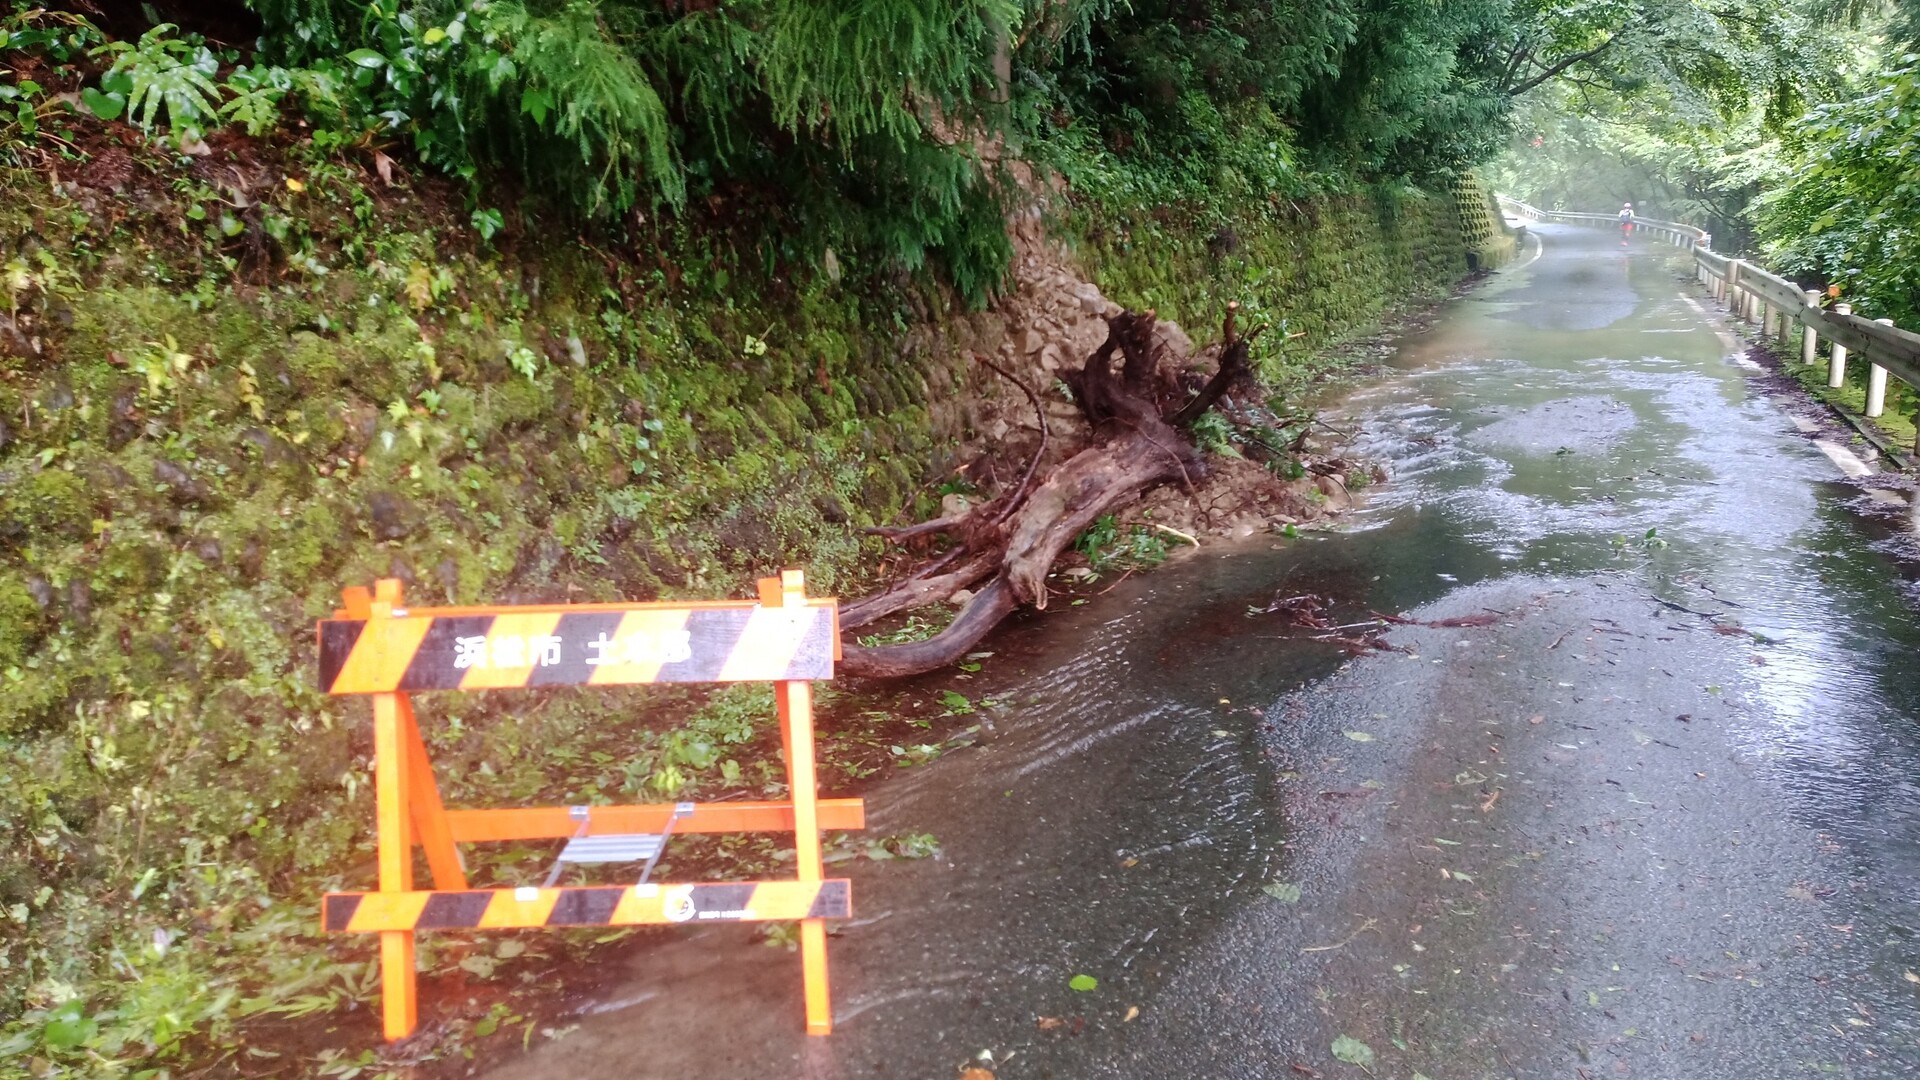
[{"x": 376, "y": 646}]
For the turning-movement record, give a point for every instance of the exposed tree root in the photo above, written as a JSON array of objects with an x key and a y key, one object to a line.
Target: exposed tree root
[
  {"x": 1137, "y": 416},
  {"x": 1039, "y": 453}
]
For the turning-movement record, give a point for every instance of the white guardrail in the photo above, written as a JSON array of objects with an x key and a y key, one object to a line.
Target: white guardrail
[{"x": 1777, "y": 305}]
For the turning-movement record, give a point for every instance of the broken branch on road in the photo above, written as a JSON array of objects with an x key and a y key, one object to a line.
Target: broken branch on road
[{"x": 1370, "y": 924}]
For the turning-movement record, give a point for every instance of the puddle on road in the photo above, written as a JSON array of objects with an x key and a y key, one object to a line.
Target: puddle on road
[{"x": 1125, "y": 808}]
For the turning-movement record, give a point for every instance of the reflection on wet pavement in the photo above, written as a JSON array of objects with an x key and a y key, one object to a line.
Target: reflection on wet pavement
[{"x": 1747, "y": 522}]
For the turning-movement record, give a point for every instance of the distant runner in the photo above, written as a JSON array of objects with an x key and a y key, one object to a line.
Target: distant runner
[{"x": 1626, "y": 221}]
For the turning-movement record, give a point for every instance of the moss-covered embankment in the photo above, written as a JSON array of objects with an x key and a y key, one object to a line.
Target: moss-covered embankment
[
  {"x": 1321, "y": 269},
  {"x": 229, "y": 386}
]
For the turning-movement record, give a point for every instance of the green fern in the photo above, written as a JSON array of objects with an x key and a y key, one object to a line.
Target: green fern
[
  {"x": 889, "y": 68},
  {"x": 257, "y": 96},
  {"x": 855, "y": 118},
  {"x": 164, "y": 70},
  {"x": 579, "y": 86}
]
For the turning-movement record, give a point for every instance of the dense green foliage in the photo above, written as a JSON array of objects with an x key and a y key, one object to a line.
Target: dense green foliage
[
  {"x": 1844, "y": 208},
  {"x": 839, "y": 126},
  {"x": 868, "y": 136},
  {"x": 1849, "y": 214},
  {"x": 1346, "y": 89}
]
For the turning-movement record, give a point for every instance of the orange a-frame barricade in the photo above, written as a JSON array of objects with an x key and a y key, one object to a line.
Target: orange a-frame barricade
[{"x": 376, "y": 646}]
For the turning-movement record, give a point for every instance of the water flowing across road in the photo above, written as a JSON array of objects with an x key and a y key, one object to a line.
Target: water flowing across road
[{"x": 1655, "y": 811}]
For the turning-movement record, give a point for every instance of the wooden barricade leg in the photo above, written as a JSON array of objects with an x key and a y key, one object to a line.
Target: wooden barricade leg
[
  {"x": 398, "y": 998},
  {"x": 795, "y": 703},
  {"x": 425, "y": 811},
  {"x": 796, "y": 721}
]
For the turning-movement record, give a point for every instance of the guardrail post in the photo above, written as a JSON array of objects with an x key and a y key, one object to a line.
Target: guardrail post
[
  {"x": 1809, "y": 340},
  {"x": 1730, "y": 285},
  {"x": 1837, "y": 365},
  {"x": 1877, "y": 383}
]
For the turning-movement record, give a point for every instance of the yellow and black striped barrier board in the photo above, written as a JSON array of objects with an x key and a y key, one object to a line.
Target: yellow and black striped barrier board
[
  {"x": 617, "y": 905},
  {"x": 376, "y": 645},
  {"x": 582, "y": 645}
]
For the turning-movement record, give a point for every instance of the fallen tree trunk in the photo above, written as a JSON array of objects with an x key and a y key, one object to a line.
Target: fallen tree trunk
[
  {"x": 1136, "y": 415},
  {"x": 981, "y": 614},
  {"x": 916, "y": 592}
]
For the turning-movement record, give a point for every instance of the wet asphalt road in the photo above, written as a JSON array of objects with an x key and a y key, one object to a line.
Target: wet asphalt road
[{"x": 1660, "y": 817}]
